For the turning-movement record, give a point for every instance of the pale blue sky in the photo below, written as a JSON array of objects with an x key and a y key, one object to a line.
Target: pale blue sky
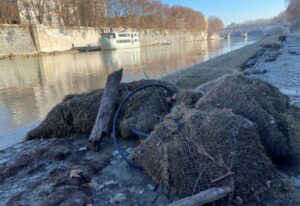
[{"x": 234, "y": 10}]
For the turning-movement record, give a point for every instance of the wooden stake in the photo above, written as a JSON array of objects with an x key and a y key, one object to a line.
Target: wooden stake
[{"x": 107, "y": 107}]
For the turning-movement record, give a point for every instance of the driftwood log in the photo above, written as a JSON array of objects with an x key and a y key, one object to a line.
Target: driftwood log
[
  {"x": 107, "y": 107},
  {"x": 203, "y": 197}
]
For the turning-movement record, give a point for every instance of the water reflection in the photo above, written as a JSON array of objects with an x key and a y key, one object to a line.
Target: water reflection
[{"x": 30, "y": 87}]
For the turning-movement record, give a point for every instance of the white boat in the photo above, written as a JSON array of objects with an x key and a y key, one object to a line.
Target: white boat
[{"x": 119, "y": 40}]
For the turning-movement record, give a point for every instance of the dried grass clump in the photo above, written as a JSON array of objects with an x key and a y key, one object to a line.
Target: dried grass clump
[
  {"x": 77, "y": 113},
  {"x": 194, "y": 150},
  {"x": 223, "y": 134},
  {"x": 255, "y": 100}
]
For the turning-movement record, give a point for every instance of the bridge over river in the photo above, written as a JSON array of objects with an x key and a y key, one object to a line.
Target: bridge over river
[{"x": 244, "y": 30}]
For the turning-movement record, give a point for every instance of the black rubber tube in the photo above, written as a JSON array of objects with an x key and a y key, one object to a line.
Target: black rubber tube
[{"x": 140, "y": 133}]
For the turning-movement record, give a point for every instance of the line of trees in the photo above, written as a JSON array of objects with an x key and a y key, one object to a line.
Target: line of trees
[
  {"x": 153, "y": 14},
  {"x": 214, "y": 23},
  {"x": 139, "y": 14},
  {"x": 293, "y": 9},
  {"x": 62, "y": 12}
]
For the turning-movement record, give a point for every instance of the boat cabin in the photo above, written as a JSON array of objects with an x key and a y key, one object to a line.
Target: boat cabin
[{"x": 119, "y": 40}]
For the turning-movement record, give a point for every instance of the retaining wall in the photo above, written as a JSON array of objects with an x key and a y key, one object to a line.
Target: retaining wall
[
  {"x": 56, "y": 38},
  {"x": 15, "y": 39},
  {"x": 150, "y": 37}
]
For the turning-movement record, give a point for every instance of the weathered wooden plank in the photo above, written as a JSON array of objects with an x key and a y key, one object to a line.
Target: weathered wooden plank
[
  {"x": 106, "y": 109},
  {"x": 203, "y": 197}
]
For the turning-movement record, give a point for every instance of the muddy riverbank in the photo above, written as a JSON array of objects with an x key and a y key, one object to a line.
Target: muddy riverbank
[
  {"x": 67, "y": 172},
  {"x": 269, "y": 59},
  {"x": 30, "y": 87},
  {"x": 214, "y": 68}
]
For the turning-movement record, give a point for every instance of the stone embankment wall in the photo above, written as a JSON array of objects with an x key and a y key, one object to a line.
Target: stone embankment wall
[
  {"x": 54, "y": 38},
  {"x": 152, "y": 37},
  {"x": 20, "y": 40},
  {"x": 15, "y": 40}
]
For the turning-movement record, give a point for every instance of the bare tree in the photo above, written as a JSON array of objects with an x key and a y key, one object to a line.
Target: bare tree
[
  {"x": 214, "y": 23},
  {"x": 9, "y": 12},
  {"x": 151, "y": 14},
  {"x": 34, "y": 11},
  {"x": 293, "y": 9},
  {"x": 39, "y": 9},
  {"x": 139, "y": 14},
  {"x": 80, "y": 13}
]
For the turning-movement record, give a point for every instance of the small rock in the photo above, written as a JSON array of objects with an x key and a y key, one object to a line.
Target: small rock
[
  {"x": 83, "y": 149},
  {"x": 100, "y": 187},
  {"x": 136, "y": 180},
  {"x": 132, "y": 189},
  {"x": 136, "y": 190},
  {"x": 121, "y": 173},
  {"x": 75, "y": 173},
  {"x": 295, "y": 182},
  {"x": 141, "y": 191},
  {"x": 238, "y": 200},
  {"x": 162, "y": 200},
  {"x": 116, "y": 154},
  {"x": 129, "y": 150},
  {"x": 115, "y": 162},
  {"x": 269, "y": 183},
  {"x": 92, "y": 184},
  {"x": 151, "y": 187},
  {"x": 111, "y": 182},
  {"x": 149, "y": 196},
  {"x": 117, "y": 198}
]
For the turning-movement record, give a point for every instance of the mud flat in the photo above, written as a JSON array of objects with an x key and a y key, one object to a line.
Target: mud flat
[{"x": 66, "y": 171}]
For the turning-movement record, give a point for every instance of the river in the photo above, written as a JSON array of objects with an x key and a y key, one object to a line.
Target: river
[{"x": 31, "y": 86}]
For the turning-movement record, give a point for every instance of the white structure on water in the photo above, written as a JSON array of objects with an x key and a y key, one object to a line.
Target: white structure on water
[{"x": 119, "y": 40}]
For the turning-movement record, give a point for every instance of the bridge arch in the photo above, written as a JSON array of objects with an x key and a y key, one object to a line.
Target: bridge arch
[{"x": 244, "y": 31}]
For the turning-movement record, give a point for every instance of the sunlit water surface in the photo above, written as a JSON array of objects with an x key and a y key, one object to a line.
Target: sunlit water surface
[{"x": 30, "y": 87}]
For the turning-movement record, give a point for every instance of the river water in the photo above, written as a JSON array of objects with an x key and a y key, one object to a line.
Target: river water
[{"x": 31, "y": 86}]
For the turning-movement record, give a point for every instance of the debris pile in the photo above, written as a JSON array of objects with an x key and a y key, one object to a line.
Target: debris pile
[
  {"x": 224, "y": 133},
  {"x": 76, "y": 114},
  {"x": 224, "y": 138},
  {"x": 255, "y": 100},
  {"x": 194, "y": 150}
]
